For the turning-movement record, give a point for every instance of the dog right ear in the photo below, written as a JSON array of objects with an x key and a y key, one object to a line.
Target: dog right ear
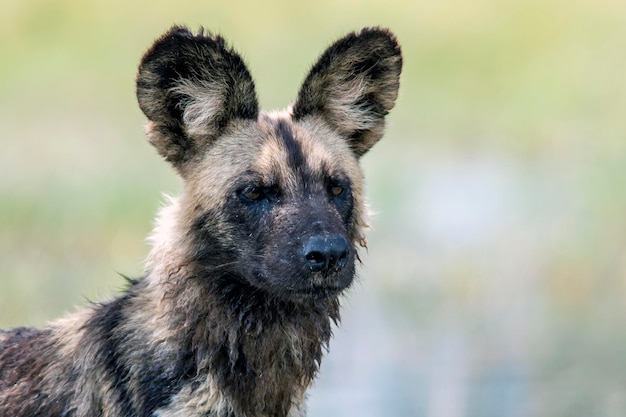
[
  {"x": 353, "y": 86},
  {"x": 191, "y": 87}
]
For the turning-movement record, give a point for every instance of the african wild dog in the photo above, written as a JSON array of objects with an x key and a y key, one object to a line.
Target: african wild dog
[{"x": 247, "y": 265}]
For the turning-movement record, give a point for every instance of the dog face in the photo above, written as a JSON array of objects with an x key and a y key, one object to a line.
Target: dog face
[{"x": 271, "y": 201}]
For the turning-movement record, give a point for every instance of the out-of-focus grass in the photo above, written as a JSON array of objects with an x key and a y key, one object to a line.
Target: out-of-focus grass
[{"x": 496, "y": 275}]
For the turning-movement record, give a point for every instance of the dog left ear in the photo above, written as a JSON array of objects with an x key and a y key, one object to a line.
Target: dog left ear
[
  {"x": 353, "y": 86},
  {"x": 191, "y": 87}
]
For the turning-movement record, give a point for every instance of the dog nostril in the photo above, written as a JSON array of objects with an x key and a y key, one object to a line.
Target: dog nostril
[
  {"x": 343, "y": 258},
  {"x": 315, "y": 258},
  {"x": 323, "y": 253}
]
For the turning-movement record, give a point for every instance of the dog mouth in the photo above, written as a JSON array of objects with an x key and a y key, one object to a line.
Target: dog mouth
[
  {"x": 306, "y": 291},
  {"x": 316, "y": 292},
  {"x": 299, "y": 283},
  {"x": 321, "y": 287}
]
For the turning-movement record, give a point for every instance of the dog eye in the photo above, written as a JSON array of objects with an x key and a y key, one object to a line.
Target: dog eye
[
  {"x": 253, "y": 193},
  {"x": 336, "y": 190}
]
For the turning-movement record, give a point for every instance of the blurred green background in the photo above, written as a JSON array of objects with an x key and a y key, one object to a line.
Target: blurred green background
[{"x": 495, "y": 281}]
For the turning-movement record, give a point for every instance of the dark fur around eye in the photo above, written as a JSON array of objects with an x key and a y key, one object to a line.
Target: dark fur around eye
[
  {"x": 253, "y": 193},
  {"x": 340, "y": 193},
  {"x": 337, "y": 188}
]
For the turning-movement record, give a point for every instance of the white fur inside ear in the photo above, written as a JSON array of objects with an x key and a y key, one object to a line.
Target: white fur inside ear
[
  {"x": 202, "y": 102},
  {"x": 342, "y": 104}
]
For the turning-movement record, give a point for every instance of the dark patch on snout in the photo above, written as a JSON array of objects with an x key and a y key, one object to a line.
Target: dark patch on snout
[{"x": 309, "y": 250}]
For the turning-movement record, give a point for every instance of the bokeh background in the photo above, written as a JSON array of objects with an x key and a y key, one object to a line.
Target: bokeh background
[{"x": 495, "y": 281}]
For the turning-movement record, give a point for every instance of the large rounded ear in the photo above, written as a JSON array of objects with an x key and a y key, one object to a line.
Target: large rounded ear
[
  {"x": 353, "y": 86},
  {"x": 191, "y": 87}
]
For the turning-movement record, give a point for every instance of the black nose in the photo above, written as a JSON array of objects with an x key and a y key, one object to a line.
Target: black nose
[{"x": 324, "y": 253}]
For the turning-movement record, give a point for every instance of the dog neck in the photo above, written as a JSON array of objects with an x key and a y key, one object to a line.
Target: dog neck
[{"x": 262, "y": 352}]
